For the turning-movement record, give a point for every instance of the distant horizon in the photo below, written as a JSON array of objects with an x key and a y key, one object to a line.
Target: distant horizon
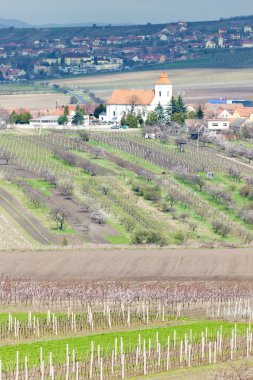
[
  {"x": 118, "y": 12},
  {"x": 104, "y": 23}
]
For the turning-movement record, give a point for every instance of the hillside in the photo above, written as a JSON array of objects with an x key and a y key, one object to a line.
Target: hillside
[{"x": 26, "y": 34}]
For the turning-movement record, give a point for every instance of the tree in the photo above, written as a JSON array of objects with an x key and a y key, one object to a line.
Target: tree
[
  {"x": 181, "y": 105},
  {"x": 191, "y": 115},
  {"x": 199, "y": 113},
  {"x": 140, "y": 119},
  {"x": 168, "y": 111},
  {"x": 59, "y": 216},
  {"x": 20, "y": 118},
  {"x": 98, "y": 217},
  {"x": 220, "y": 227},
  {"x": 134, "y": 100},
  {"x": 66, "y": 188},
  {"x": 178, "y": 118},
  {"x": 66, "y": 111},
  {"x": 84, "y": 136},
  {"x": 78, "y": 118},
  {"x": 73, "y": 99},
  {"x": 99, "y": 109},
  {"x": 174, "y": 107},
  {"x": 159, "y": 110},
  {"x": 131, "y": 120},
  {"x": 4, "y": 117},
  {"x": 62, "y": 120},
  {"x": 152, "y": 118}
]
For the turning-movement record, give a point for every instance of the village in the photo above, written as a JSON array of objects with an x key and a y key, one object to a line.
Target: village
[
  {"x": 157, "y": 111},
  {"x": 106, "y": 49}
]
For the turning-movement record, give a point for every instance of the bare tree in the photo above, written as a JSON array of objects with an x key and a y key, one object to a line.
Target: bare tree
[
  {"x": 134, "y": 100},
  {"x": 98, "y": 217},
  {"x": 59, "y": 216},
  {"x": 4, "y": 117},
  {"x": 66, "y": 188},
  {"x": 6, "y": 155}
]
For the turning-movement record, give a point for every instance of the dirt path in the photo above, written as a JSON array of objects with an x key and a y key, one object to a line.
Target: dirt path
[
  {"x": 25, "y": 219},
  {"x": 130, "y": 264}
]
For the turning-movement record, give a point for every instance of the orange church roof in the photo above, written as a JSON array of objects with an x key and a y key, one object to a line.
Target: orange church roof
[
  {"x": 128, "y": 97},
  {"x": 164, "y": 79}
]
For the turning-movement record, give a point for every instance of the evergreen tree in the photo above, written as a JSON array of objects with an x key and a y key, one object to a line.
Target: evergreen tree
[
  {"x": 200, "y": 113},
  {"x": 152, "y": 118},
  {"x": 66, "y": 111},
  {"x": 181, "y": 105},
  {"x": 131, "y": 121},
  {"x": 62, "y": 120},
  {"x": 78, "y": 118},
  {"x": 140, "y": 119},
  {"x": 161, "y": 117},
  {"x": 174, "y": 105},
  {"x": 168, "y": 111},
  {"x": 99, "y": 109}
]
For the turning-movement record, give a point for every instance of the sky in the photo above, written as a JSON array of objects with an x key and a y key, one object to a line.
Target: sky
[{"x": 122, "y": 11}]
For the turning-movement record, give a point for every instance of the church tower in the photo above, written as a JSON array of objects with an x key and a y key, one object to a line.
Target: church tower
[{"x": 163, "y": 90}]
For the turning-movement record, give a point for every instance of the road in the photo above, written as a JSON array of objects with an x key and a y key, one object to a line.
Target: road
[{"x": 130, "y": 264}]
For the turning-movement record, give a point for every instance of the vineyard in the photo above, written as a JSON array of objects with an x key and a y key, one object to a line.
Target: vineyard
[
  {"x": 120, "y": 188},
  {"x": 120, "y": 331}
]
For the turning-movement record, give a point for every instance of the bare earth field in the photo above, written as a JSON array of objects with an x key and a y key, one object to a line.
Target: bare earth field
[
  {"x": 195, "y": 84},
  {"x": 33, "y": 101},
  {"x": 129, "y": 264}
]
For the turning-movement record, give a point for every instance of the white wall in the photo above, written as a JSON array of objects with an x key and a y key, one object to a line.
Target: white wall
[{"x": 214, "y": 125}]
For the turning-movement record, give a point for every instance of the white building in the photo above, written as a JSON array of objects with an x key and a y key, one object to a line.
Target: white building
[
  {"x": 217, "y": 125},
  {"x": 143, "y": 101},
  {"x": 52, "y": 121}
]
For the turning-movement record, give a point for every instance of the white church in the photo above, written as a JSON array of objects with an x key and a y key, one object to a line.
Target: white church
[{"x": 143, "y": 101}]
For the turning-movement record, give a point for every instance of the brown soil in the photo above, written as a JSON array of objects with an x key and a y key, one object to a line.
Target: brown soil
[
  {"x": 77, "y": 220},
  {"x": 130, "y": 264}
]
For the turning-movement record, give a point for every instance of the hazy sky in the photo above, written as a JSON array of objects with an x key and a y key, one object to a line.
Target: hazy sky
[{"x": 122, "y": 11}]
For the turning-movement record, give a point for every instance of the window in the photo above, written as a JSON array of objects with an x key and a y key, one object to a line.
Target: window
[
  {"x": 114, "y": 113},
  {"x": 215, "y": 124},
  {"x": 160, "y": 93},
  {"x": 224, "y": 124}
]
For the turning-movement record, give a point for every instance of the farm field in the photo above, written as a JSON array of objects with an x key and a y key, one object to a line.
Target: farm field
[
  {"x": 33, "y": 101},
  {"x": 85, "y": 331},
  {"x": 196, "y": 85},
  {"x": 119, "y": 188}
]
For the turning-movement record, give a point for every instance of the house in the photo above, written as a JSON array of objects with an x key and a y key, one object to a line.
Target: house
[
  {"x": 143, "y": 101},
  {"x": 103, "y": 117},
  {"x": 243, "y": 112},
  {"x": 217, "y": 125},
  {"x": 210, "y": 44},
  {"x": 247, "y": 29},
  {"x": 52, "y": 121},
  {"x": 247, "y": 44}
]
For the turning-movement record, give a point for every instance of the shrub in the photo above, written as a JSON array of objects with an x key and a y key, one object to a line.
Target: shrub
[
  {"x": 148, "y": 237},
  {"x": 84, "y": 136},
  {"x": 244, "y": 192},
  {"x": 180, "y": 237},
  {"x": 246, "y": 213},
  {"x": 220, "y": 227},
  {"x": 220, "y": 195},
  {"x": 98, "y": 217},
  {"x": 65, "y": 188},
  {"x": 152, "y": 193}
]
